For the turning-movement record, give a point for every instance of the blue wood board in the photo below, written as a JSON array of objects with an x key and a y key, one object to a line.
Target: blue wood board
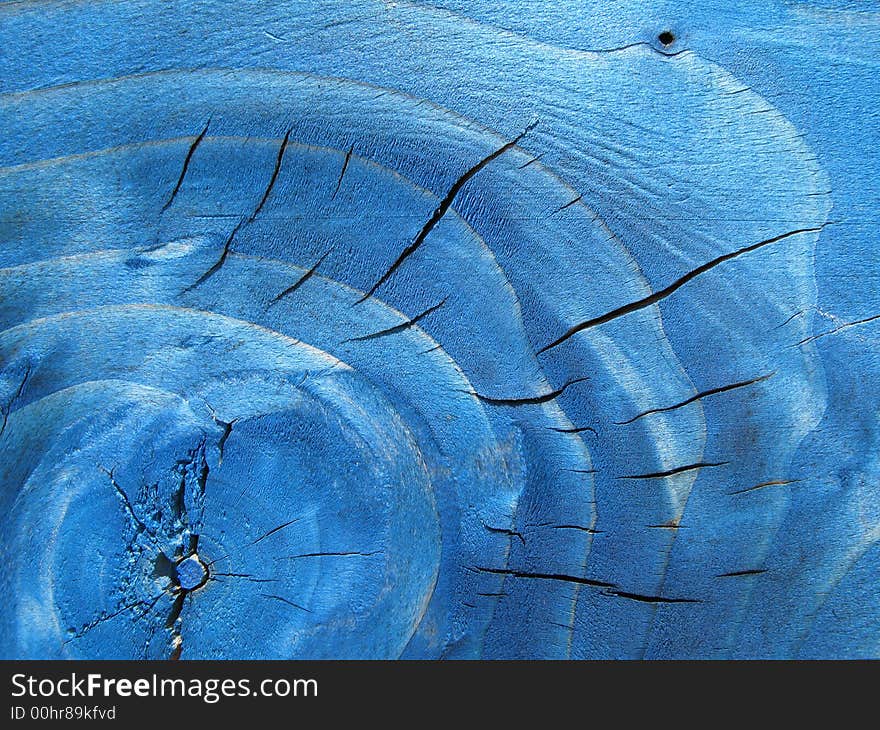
[{"x": 439, "y": 330}]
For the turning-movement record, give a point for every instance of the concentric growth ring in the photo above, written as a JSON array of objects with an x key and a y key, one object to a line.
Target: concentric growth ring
[{"x": 296, "y": 365}]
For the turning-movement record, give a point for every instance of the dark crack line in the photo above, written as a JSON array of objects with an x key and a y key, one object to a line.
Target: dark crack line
[
  {"x": 196, "y": 460},
  {"x": 129, "y": 508},
  {"x": 547, "y": 576},
  {"x": 227, "y": 247},
  {"x": 268, "y": 191},
  {"x": 650, "y": 599},
  {"x": 796, "y": 314},
  {"x": 636, "y": 44},
  {"x": 533, "y": 160},
  {"x": 246, "y": 576},
  {"x": 224, "y": 437},
  {"x": 342, "y": 171},
  {"x": 441, "y": 210},
  {"x": 677, "y": 470},
  {"x": 673, "y": 287},
  {"x": 577, "y": 429},
  {"x": 106, "y": 617},
  {"x": 299, "y": 282},
  {"x": 698, "y": 396},
  {"x": 202, "y": 484},
  {"x": 617, "y": 49},
  {"x": 227, "y": 431},
  {"x": 7, "y": 409},
  {"x": 150, "y": 607},
  {"x": 176, "y": 609},
  {"x": 186, "y": 161},
  {"x": 578, "y": 199},
  {"x": 505, "y": 531},
  {"x": 842, "y": 327},
  {"x": 528, "y": 401},
  {"x": 276, "y": 529},
  {"x": 402, "y": 327},
  {"x": 762, "y": 485},
  {"x": 581, "y": 528},
  {"x": 738, "y": 573},
  {"x": 329, "y": 555},
  {"x": 285, "y": 600}
]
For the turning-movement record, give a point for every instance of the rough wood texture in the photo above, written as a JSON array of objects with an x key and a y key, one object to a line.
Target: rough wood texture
[{"x": 461, "y": 329}]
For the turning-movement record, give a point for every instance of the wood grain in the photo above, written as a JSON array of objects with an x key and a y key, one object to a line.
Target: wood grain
[{"x": 439, "y": 330}]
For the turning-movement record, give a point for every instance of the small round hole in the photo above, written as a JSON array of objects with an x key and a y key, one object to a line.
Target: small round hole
[{"x": 666, "y": 38}]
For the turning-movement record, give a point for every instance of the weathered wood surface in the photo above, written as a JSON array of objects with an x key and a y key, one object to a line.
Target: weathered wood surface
[{"x": 460, "y": 329}]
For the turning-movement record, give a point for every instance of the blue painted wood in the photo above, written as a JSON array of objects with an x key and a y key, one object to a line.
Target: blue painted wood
[{"x": 460, "y": 329}]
